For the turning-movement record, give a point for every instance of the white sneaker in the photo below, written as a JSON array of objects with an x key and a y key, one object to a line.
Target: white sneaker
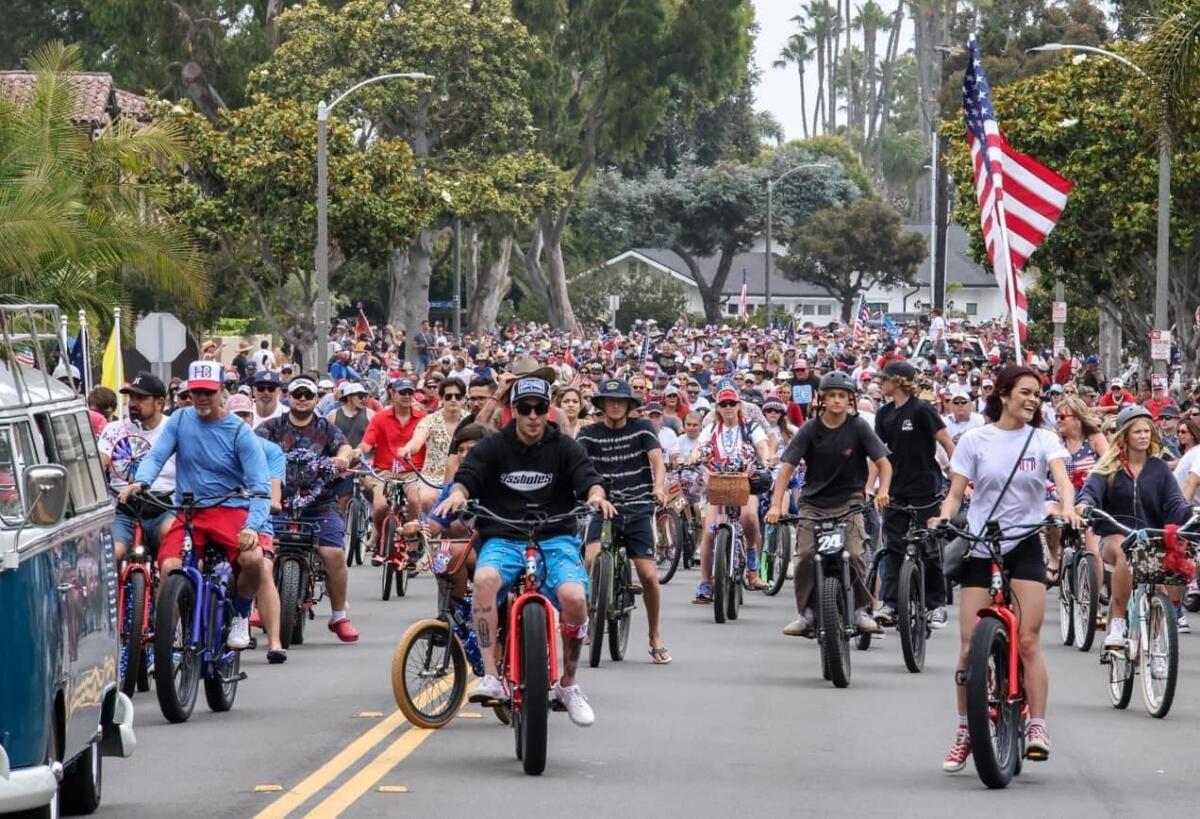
[
  {"x": 576, "y": 704},
  {"x": 489, "y": 690},
  {"x": 1182, "y": 624},
  {"x": 239, "y": 633},
  {"x": 1115, "y": 639},
  {"x": 865, "y": 622},
  {"x": 939, "y": 617}
]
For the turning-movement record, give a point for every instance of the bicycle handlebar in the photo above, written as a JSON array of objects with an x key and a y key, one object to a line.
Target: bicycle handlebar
[
  {"x": 852, "y": 510},
  {"x": 532, "y": 521},
  {"x": 1091, "y": 513},
  {"x": 198, "y": 503},
  {"x": 1025, "y": 530}
]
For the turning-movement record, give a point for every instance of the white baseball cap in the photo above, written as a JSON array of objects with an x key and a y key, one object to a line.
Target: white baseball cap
[
  {"x": 351, "y": 388},
  {"x": 205, "y": 375}
]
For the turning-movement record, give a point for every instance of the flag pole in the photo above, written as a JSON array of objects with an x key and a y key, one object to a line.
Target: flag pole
[
  {"x": 85, "y": 348},
  {"x": 65, "y": 354},
  {"x": 1010, "y": 288},
  {"x": 121, "y": 405}
]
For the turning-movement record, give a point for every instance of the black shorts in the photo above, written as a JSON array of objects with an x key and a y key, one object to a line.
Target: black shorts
[
  {"x": 1026, "y": 562},
  {"x": 635, "y": 527}
]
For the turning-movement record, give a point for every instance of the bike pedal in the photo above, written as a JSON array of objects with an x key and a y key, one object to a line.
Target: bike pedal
[
  {"x": 635, "y": 589},
  {"x": 555, "y": 705},
  {"x": 253, "y": 644}
]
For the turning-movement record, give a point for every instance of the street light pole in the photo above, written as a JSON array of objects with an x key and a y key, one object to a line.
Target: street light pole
[
  {"x": 321, "y": 306},
  {"x": 1163, "y": 249},
  {"x": 771, "y": 183}
]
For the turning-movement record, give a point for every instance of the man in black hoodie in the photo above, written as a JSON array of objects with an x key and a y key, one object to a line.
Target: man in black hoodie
[{"x": 528, "y": 463}]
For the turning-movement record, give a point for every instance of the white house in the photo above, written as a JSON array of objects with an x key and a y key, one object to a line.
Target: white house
[{"x": 970, "y": 289}]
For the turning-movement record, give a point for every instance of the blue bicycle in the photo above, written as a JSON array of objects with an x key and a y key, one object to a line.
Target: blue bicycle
[{"x": 195, "y": 611}]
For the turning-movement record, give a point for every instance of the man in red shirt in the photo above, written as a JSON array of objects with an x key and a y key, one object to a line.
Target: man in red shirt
[
  {"x": 1115, "y": 397},
  {"x": 1159, "y": 400},
  {"x": 1063, "y": 371},
  {"x": 387, "y": 432}
]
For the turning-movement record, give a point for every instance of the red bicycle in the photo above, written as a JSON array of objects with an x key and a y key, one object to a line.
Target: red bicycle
[
  {"x": 528, "y": 664},
  {"x": 401, "y": 538},
  {"x": 994, "y": 674},
  {"x": 135, "y": 613}
]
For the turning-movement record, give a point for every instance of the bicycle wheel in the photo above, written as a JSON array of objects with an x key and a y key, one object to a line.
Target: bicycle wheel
[
  {"x": 288, "y": 578},
  {"x": 1066, "y": 605},
  {"x": 778, "y": 555},
  {"x": 1087, "y": 601},
  {"x": 176, "y": 666},
  {"x": 911, "y": 616},
  {"x": 835, "y": 644},
  {"x": 354, "y": 533},
  {"x": 993, "y": 722},
  {"x": 602, "y": 575},
  {"x": 666, "y": 544},
  {"x": 863, "y": 640},
  {"x": 429, "y": 687},
  {"x": 133, "y": 647},
  {"x": 386, "y": 546},
  {"x": 535, "y": 683},
  {"x": 1159, "y": 659},
  {"x": 1120, "y": 678},
  {"x": 220, "y": 689},
  {"x": 737, "y": 577},
  {"x": 618, "y": 629},
  {"x": 720, "y": 573}
]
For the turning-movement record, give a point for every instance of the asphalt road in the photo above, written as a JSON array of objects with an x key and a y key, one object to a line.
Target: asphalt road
[{"x": 740, "y": 722}]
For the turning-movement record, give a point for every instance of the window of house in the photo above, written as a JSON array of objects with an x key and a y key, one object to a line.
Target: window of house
[
  {"x": 972, "y": 308},
  {"x": 808, "y": 309},
  {"x": 878, "y": 308},
  {"x": 731, "y": 308},
  {"x": 824, "y": 310}
]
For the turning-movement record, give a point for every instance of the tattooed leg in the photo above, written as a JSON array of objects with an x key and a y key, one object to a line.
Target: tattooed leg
[
  {"x": 487, "y": 585},
  {"x": 574, "y": 625}
]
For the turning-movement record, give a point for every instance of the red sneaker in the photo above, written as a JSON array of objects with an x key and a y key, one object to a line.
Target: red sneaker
[
  {"x": 345, "y": 630},
  {"x": 959, "y": 752}
]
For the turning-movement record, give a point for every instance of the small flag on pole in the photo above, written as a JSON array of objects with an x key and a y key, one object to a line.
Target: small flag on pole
[
  {"x": 112, "y": 372},
  {"x": 362, "y": 327},
  {"x": 742, "y": 298}
]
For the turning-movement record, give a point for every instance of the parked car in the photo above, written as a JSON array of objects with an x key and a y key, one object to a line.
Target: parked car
[{"x": 60, "y": 707}]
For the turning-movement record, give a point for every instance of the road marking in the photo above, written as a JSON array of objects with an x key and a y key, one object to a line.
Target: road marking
[
  {"x": 335, "y": 767},
  {"x": 469, "y": 715},
  {"x": 392, "y": 789},
  {"x": 369, "y": 775},
  {"x": 268, "y": 788},
  {"x": 370, "y": 713}
]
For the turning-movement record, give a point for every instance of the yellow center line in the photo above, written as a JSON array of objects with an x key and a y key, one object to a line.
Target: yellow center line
[
  {"x": 335, "y": 767},
  {"x": 370, "y": 774}
]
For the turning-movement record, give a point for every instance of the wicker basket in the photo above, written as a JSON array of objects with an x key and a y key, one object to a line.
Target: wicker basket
[
  {"x": 1146, "y": 563},
  {"x": 728, "y": 490}
]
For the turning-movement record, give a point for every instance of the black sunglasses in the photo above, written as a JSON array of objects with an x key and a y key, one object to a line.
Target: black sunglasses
[
  {"x": 265, "y": 387},
  {"x": 727, "y": 404},
  {"x": 452, "y": 396},
  {"x": 303, "y": 395},
  {"x": 538, "y": 408}
]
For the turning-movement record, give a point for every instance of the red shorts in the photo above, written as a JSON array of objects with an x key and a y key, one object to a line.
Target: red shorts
[
  {"x": 267, "y": 544},
  {"x": 216, "y": 524}
]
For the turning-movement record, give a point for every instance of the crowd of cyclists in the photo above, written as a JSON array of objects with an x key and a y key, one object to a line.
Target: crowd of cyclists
[{"x": 527, "y": 416}]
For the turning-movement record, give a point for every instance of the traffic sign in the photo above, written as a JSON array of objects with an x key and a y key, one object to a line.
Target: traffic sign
[
  {"x": 1160, "y": 345},
  {"x": 160, "y": 337},
  {"x": 1060, "y": 344},
  {"x": 1059, "y": 312}
]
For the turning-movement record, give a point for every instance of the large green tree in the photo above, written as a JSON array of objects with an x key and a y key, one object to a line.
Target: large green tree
[
  {"x": 78, "y": 220},
  {"x": 848, "y": 250}
]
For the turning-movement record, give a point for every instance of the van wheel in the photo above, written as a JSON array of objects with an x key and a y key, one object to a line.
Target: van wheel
[{"x": 80, "y": 786}]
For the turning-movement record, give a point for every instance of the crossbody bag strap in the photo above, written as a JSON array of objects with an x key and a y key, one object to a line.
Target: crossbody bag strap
[{"x": 1012, "y": 474}]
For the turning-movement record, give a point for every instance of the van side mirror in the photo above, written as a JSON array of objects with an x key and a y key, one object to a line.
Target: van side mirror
[{"x": 45, "y": 494}]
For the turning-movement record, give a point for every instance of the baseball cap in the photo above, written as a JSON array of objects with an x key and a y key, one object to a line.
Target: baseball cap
[
  {"x": 325, "y": 384},
  {"x": 205, "y": 375},
  {"x": 727, "y": 391},
  {"x": 402, "y": 384},
  {"x": 987, "y": 382},
  {"x": 146, "y": 384},
  {"x": 351, "y": 388},
  {"x": 654, "y": 407},
  {"x": 239, "y": 403},
  {"x": 531, "y": 387},
  {"x": 1116, "y": 382},
  {"x": 266, "y": 377},
  {"x": 302, "y": 384},
  {"x": 900, "y": 369},
  {"x": 1169, "y": 411}
]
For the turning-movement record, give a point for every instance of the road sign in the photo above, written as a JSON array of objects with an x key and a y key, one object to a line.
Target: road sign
[
  {"x": 614, "y": 303},
  {"x": 160, "y": 337},
  {"x": 1059, "y": 312},
  {"x": 1160, "y": 345},
  {"x": 1060, "y": 344}
]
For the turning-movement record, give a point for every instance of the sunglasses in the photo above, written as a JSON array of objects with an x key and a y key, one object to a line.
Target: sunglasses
[
  {"x": 537, "y": 408},
  {"x": 959, "y": 401},
  {"x": 727, "y": 404},
  {"x": 452, "y": 396},
  {"x": 404, "y": 393},
  {"x": 183, "y": 396},
  {"x": 203, "y": 393},
  {"x": 1062, "y": 416},
  {"x": 265, "y": 388},
  {"x": 303, "y": 395}
]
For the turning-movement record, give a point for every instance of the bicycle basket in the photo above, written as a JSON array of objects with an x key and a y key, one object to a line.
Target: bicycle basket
[
  {"x": 728, "y": 490},
  {"x": 1148, "y": 562}
]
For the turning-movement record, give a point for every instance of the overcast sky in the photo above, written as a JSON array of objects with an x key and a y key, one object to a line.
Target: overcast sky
[{"x": 779, "y": 89}]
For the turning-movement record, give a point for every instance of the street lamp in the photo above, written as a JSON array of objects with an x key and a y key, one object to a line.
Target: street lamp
[
  {"x": 771, "y": 183},
  {"x": 321, "y": 308},
  {"x": 1162, "y": 259}
]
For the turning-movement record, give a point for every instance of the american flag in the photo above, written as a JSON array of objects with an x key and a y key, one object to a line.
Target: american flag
[
  {"x": 862, "y": 317},
  {"x": 362, "y": 327},
  {"x": 1020, "y": 199},
  {"x": 742, "y": 298},
  {"x": 24, "y": 357}
]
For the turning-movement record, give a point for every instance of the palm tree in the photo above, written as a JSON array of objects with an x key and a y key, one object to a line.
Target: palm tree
[
  {"x": 797, "y": 52},
  {"x": 872, "y": 20},
  {"x": 819, "y": 27},
  {"x": 1173, "y": 57},
  {"x": 76, "y": 217}
]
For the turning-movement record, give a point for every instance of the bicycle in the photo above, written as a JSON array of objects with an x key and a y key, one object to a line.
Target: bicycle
[
  {"x": 728, "y": 491},
  {"x": 668, "y": 531},
  {"x": 612, "y": 598},
  {"x": 400, "y": 544},
  {"x": 690, "y": 520},
  {"x": 912, "y": 617},
  {"x": 1153, "y": 646},
  {"x": 429, "y": 664},
  {"x": 835, "y": 591},
  {"x": 777, "y": 548},
  {"x": 135, "y": 612},
  {"x": 994, "y": 675},
  {"x": 528, "y": 659},
  {"x": 1078, "y": 595},
  {"x": 358, "y": 524},
  {"x": 195, "y": 612}
]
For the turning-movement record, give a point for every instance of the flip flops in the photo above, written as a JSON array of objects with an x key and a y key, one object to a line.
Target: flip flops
[{"x": 660, "y": 655}]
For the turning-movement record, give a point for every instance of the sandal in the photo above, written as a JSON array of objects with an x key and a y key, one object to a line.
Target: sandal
[
  {"x": 660, "y": 655},
  {"x": 703, "y": 593}
]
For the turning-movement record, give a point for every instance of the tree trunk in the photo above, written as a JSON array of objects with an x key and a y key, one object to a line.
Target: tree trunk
[
  {"x": 494, "y": 283},
  {"x": 849, "y": 298},
  {"x": 882, "y": 102},
  {"x": 557, "y": 298},
  {"x": 820, "y": 107},
  {"x": 1110, "y": 337},
  {"x": 471, "y": 265},
  {"x": 409, "y": 271},
  {"x": 803, "y": 102},
  {"x": 833, "y": 14},
  {"x": 198, "y": 89},
  {"x": 274, "y": 35}
]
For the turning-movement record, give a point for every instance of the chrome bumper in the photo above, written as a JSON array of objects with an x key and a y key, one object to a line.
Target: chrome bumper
[
  {"x": 116, "y": 723},
  {"x": 26, "y": 788}
]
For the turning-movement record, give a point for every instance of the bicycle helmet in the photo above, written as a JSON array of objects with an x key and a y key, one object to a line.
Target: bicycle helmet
[
  {"x": 1132, "y": 413},
  {"x": 838, "y": 380}
]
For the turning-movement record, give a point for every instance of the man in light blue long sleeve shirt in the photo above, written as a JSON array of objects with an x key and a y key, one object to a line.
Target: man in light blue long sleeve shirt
[{"x": 214, "y": 454}]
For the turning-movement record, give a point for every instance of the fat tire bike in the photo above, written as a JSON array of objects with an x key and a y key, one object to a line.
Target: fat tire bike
[{"x": 612, "y": 599}]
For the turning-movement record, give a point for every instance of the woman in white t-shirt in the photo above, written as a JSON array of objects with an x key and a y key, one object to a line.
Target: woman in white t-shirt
[
  {"x": 986, "y": 456},
  {"x": 729, "y": 439}
]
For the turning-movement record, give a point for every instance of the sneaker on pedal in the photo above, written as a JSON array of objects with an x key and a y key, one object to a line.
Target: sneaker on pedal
[
  {"x": 239, "y": 633},
  {"x": 886, "y": 616},
  {"x": 490, "y": 690},
  {"x": 959, "y": 753},
  {"x": 800, "y": 627},
  {"x": 1037, "y": 743},
  {"x": 939, "y": 617},
  {"x": 376, "y": 559},
  {"x": 1181, "y": 620},
  {"x": 571, "y": 697},
  {"x": 865, "y": 622},
  {"x": 1115, "y": 639}
]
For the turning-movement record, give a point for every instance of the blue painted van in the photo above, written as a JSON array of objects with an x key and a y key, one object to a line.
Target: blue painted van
[{"x": 60, "y": 707}]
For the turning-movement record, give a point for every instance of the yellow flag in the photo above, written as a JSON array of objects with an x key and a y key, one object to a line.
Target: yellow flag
[{"x": 112, "y": 370}]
